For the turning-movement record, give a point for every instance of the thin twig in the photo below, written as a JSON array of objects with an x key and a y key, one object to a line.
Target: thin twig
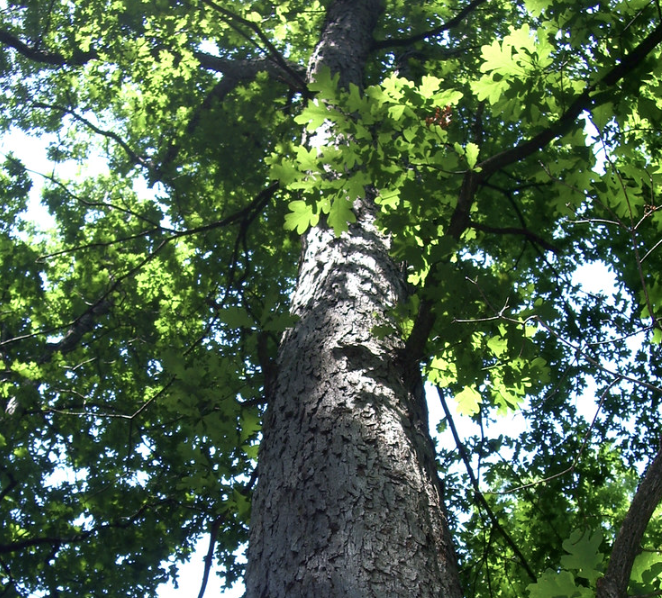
[
  {"x": 476, "y": 486},
  {"x": 578, "y": 456}
]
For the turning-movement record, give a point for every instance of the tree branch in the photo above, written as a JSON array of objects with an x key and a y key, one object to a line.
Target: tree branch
[
  {"x": 245, "y": 70},
  {"x": 235, "y": 72},
  {"x": 55, "y": 541},
  {"x": 78, "y": 58},
  {"x": 537, "y": 239},
  {"x": 585, "y": 101},
  {"x": 407, "y": 41},
  {"x": 85, "y": 322},
  {"x": 271, "y": 50},
  {"x": 479, "y": 495},
  {"x": 135, "y": 158},
  {"x": 213, "y": 535},
  {"x": 627, "y": 545},
  {"x": 80, "y": 326},
  {"x": 460, "y": 220}
]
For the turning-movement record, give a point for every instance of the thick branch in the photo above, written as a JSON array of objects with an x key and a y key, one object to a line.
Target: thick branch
[
  {"x": 81, "y": 326},
  {"x": 585, "y": 101},
  {"x": 78, "y": 58},
  {"x": 460, "y": 220},
  {"x": 238, "y": 71},
  {"x": 235, "y": 72},
  {"x": 271, "y": 50},
  {"x": 614, "y": 584}
]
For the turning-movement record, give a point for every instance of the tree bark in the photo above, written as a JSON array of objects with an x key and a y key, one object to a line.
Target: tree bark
[
  {"x": 627, "y": 544},
  {"x": 348, "y": 501}
]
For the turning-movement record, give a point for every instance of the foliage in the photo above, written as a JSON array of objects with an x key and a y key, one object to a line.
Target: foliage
[{"x": 136, "y": 336}]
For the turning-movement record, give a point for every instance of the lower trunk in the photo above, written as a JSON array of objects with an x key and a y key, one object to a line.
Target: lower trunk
[{"x": 348, "y": 501}]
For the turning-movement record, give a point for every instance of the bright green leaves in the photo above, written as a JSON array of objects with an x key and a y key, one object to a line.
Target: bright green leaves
[
  {"x": 326, "y": 169},
  {"x": 468, "y": 401},
  {"x": 469, "y": 153},
  {"x": 313, "y": 116},
  {"x": 646, "y": 576},
  {"x": 340, "y": 214},
  {"x": 583, "y": 561},
  {"x": 300, "y": 217},
  {"x": 14, "y": 187},
  {"x": 517, "y": 76},
  {"x": 535, "y": 7},
  {"x": 381, "y": 137},
  {"x": 510, "y": 370},
  {"x": 516, "y": 55},
  {"x": 584, "y": 555}
]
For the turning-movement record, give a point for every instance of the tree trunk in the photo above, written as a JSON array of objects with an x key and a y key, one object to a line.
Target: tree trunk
[{"x": 348, "y": 501}]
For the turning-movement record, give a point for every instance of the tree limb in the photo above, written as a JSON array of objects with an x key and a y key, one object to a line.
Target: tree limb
[
  {"x": 271, "y": 50},
  {"x": 244, "y": 489},
  {"x": 479, "y": 495},
  {"x": 135, "y": 158},
  {"x": 78, "y": 58},
  {"x": 56, "y": 541},
  {"x": 235, "y": 72},
  {"x": 245, "y": 70},
  {"x": 531, "y": 236},
  {"x": 585, "y": 101},
  {"x": 460, "y": 220},
  {"x": 627, "y": 545},
  {"x": 407, "y": 41}
]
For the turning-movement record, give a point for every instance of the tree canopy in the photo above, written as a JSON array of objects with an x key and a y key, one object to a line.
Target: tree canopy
[{"x": 508, "y": 144}]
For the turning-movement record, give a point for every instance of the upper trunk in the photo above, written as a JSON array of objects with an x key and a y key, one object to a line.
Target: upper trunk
[{"x": 348, "y": 501}]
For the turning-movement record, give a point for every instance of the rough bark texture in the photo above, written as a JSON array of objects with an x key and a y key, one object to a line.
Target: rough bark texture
[
  {"x": 627, "y": 545},
  {"x": 348, "y": 501}
]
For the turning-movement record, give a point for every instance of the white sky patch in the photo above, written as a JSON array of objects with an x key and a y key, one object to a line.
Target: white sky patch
[
  {"x": 593, "y": 139},
  {"x": 31, "y": 151},
  {"x": 190, "y": 579},
  {"x": 595, "y": 278}
]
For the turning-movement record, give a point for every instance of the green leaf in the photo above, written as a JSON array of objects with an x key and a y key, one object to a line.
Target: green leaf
[
  {"x": 429, "y": 86},
  {"x": 285, "y": 172},
  {"x": 472, "y": 154},
  {"x": 324, "y": 82},
  {"x": 468, "y": 401},
  {"x": 535, "y": 7},
  {"x": 313, "y": 116},
  {"x": 558, "y": 585},
  {"x": 584, "y": 556},
  {"x": 647, "y": 570},
  {"x": 236, "y": 317},
  {"x": 341, "y": 215},
  {"x": 300, "y": 217},
  {"x": 396, "y": 112}
]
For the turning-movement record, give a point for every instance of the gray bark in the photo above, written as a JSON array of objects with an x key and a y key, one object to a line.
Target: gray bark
[
  {"x": 627, "y": 544},
  {"x": 348, "y": 502}
]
